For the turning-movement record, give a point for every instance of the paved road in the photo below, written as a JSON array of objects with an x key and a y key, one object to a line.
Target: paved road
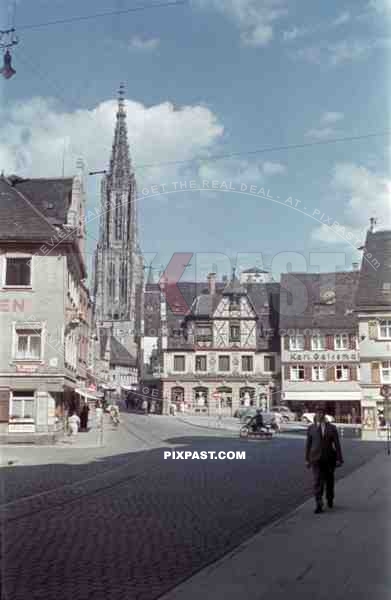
[{"x": 139, "y": 524}]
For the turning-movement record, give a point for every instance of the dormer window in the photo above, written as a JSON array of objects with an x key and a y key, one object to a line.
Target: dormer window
[{"x": 235, "y": 303}]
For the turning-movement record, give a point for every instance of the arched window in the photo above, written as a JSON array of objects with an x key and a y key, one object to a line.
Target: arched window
[
  {"x": 123, "y": 282},
  {"x": 118, "y": 217},
  {"x": 177, "y": 395},
  {"x": 226, "y": 396},
  {"x": 247, "y": 396},
  {"x": 111, "y": 282},
  {"x": 200, "y": 396}
]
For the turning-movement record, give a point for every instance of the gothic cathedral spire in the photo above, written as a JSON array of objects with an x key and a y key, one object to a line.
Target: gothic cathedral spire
[{"x": 118, "y": 259}]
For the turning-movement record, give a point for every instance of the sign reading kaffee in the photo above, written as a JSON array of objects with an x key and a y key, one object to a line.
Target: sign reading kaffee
[{"x": 324, "y": 356}]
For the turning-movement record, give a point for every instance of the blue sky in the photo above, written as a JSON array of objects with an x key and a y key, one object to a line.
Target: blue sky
[{"x": 209, "y": 78}]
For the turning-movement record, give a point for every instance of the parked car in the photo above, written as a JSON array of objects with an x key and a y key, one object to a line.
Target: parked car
[
  {"x": 309, "y": 418},
  {"x": 285, "y": 412}
]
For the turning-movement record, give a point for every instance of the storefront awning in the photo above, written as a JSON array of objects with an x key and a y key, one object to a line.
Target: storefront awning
[{"x": 89, "y": 394}]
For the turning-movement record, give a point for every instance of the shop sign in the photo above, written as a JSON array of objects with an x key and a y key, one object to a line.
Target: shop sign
[
  {"x": 26, "y": 368},
  {"x": 323, "y": 356}
]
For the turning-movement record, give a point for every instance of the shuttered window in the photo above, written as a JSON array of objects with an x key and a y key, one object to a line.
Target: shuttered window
[
  {"x": 4, "y": 404},
  {"x": 375, "y": 372}
]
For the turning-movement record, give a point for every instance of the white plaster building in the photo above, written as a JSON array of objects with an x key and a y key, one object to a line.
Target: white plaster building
[
  {"x": 373, "y": 312},
  {"x": 319, "y": 346}
]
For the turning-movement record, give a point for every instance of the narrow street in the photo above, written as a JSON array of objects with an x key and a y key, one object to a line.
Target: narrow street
[{"x": 134, "y": 525}]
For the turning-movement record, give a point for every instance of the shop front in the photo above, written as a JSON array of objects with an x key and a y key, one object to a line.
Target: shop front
[{"x": 341, "y": 403}]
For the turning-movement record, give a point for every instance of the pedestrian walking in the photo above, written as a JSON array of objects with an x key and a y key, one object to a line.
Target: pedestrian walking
[
  {"x": 144, "y": 406},
  {"x": 84, "y": 417},
  {"x": 323, "y": 454},
  {"x": 74, "y": 424},
  {"x": 99, "y": 415}
]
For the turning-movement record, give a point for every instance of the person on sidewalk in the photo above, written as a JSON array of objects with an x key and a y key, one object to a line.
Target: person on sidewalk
[
  {"x": 73, "y": 423},
  {"x": 323, "y": 453},
  {"x": 84, "y": 417}
]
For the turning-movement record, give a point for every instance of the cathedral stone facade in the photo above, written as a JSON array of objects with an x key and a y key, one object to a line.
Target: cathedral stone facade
[{"x": 118, "y": 287}]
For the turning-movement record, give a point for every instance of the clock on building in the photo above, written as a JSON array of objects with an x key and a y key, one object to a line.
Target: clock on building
[{"x": 327, "y": 297}]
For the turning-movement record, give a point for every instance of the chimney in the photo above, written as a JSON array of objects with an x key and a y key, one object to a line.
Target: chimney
[
  {"x": 212, "y": 283},
  {"x": 372, "y": 221}
]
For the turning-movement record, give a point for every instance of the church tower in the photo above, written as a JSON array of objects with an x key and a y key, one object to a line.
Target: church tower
[{"x": 118, "y": 261}]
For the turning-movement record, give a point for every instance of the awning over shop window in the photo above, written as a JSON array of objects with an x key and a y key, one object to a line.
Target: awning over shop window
[{"x": 90, "y": 395}]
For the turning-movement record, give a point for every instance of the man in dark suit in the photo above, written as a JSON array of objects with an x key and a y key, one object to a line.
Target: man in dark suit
[{"x": 323, "y": 453}]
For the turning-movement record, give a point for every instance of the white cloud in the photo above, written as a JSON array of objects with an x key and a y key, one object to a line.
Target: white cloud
[
  {"x": 348, "y": 51},
  {"x": 331, "y": 117},
  {"x": 254, "y": 18},
  {"x": 146, "y": 45},
  {"x": 272, "y": 168},
  {"x": 342, "y": 19},
  {"x": 32, "y": 135},
  {"x": 325, "y": 130},
  {"x": 380, "y": 6},
  {"x": 295, "y": 33},
  {"x": 364, "y": 194},
  {"x": 299, "y": 32},
  {"x": 339, "y": 53},
  {"x": 240, "y": 171},
  {"x": 323, "y": 133}
]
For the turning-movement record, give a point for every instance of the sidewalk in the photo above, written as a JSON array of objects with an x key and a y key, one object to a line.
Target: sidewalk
[{"x": 341, "y": 554}]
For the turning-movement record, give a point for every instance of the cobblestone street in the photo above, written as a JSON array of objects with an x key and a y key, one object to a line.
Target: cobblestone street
[{"x": 129, "y": 524}]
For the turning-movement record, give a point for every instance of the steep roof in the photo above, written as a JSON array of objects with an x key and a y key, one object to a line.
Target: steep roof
[
  {"x": 374, "y": 288},
  {"x": 263, "y": 296},
  {"x": 20, "y": 219},
  {"x": 301, "y": 304},
  {"x": 234, "y": 288},
  {"x": 119, "y": 355},
  {"x": 52, "y": 197}
]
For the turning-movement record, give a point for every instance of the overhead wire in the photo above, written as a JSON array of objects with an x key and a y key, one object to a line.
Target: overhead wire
[{"x": 111, "y": 13}]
